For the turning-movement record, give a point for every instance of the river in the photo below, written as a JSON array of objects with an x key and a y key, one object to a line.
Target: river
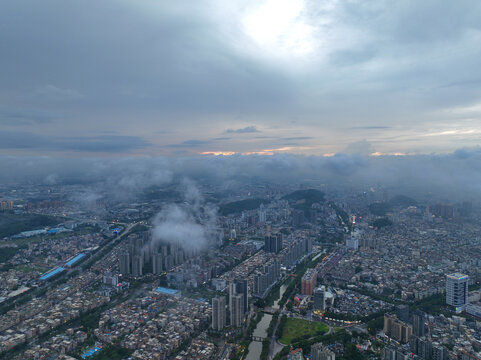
[{"x": 255, "y": 347}]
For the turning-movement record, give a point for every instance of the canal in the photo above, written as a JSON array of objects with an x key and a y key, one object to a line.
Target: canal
[{"x": 255, "y": 347}]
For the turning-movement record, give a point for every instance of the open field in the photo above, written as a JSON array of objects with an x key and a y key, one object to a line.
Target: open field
[{"x": 296, "y": 328}]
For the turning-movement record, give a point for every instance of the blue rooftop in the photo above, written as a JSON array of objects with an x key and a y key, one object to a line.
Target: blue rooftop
[
  {"x": 90, "y": 352},
  {"x": 75, "y": 259},
  {"x": 167, "y": 291},
  {"x": 52, "y": 273}
]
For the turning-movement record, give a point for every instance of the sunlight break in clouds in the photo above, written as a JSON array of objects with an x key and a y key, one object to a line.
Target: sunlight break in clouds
[{"x": 280, "y": 27}]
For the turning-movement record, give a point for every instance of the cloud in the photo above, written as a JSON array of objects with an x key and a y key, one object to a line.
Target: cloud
[
  {"x": 298, "y": 138},
  {"x": 371, "y": 127},
  {"x": 191, "y": 225},
  {"x": 190, "y": 143},
  {"x": 362, "y": 147},
  {"x": 247, "y": 129},
  {"x": 455, "y": 176},
  {"x": 22, "y": 117},
  {"x": 37, "y": 142},
  {"x": 175, "y": 65},
  {"x": 221, "y": 138},
  {"x": 58, "y": 94}
]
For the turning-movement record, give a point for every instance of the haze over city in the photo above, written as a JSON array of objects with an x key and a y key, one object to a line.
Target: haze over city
[{"x": 240, "y": 180}]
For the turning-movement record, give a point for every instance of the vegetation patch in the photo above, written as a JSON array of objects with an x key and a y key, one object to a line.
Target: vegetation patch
[
  {"x": 303, "y": 199},
  {"x": 12, "y": 224},
  {"x": 382, "y": 208},
  {"x": 242, "y": 205},
  {"x": 297, "y": 328},
  {"x": 382, "y": 222}
]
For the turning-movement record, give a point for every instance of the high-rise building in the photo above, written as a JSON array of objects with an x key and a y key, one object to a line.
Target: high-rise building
[
  {"x": 232, "y": 292},
  {"x": 237, "y": 310},
  {"x": 218, "y": 313},
  {"x": 110, "y": 279},
  {"x": 419, "y": 319},
  {"x": 267, "y": 278},
  {"x": 396, "y": 329},
  {"x": 137, "y": 264},
  {"x": 6, "y": 205},
  {"x": 389, "y": 353},
  {"x": 308, "y": 282},
  {"x": 298, "y": 217},
  {"x": 439, "y": 352},
  {"x": 421, "y": 346},
  {"x": 241, "y": 288},
  {"x": 402, "y": 313},
  {"x": 443, "y": 210},
  {"x": 157, "y": 263},
  {"x": 273, "y": 243},
  {"x": 262, "y": 214},
  {"x": 352, "y": 242},
  {"x": 124, "y": 263},
  {"x": 320, "y": 352},
  {"x": 457, "y": 290},
  {"x": 320, "y": 298},
  {"x": 308, "y": 245}
]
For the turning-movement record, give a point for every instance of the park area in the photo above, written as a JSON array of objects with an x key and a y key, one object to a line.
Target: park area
[{"x": 297, "y": 328}]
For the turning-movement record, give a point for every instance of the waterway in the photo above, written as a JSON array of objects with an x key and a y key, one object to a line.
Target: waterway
[{"x": 255, "y": 347}]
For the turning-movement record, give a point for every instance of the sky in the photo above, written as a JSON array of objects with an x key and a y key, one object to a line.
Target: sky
[{"x": 184, "y": 78}]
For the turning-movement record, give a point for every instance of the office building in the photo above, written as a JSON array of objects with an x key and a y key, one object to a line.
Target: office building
[
  {"x": 218, "y": 313},
  {"x": 320, "y": 352},
  {"x": 457, "y": 291}
]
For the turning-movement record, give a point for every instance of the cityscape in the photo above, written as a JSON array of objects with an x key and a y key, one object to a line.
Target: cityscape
[
  {"x": 287, "y": 273},
  {"x": 240, "y": 180}
]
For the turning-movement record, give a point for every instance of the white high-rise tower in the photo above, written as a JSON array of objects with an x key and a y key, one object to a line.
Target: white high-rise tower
[{"x": 457, "y": 290}]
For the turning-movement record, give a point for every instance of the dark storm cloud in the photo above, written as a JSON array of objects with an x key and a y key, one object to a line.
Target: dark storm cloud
[
  {"x": 245, "y": 130},
  {"x": 105, "y": 143}
]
